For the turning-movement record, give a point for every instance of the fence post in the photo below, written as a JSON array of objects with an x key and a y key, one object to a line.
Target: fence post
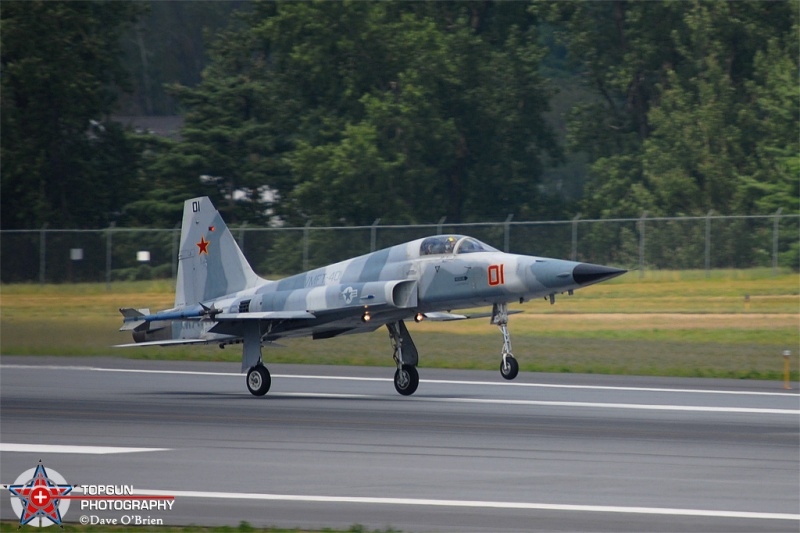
[
  {"x": 109, "y": 245},
  {"x": 305, "y": 245},
  {"x": 507, "y": 232},
  {"x": 439, "y": 225},
  {"x": 707, "y": 262},
  {"x": 42, "y": 253},
  {"x": 786, "y": 368},
  {"x": 642, "y": 243},
  {"x": 176, "y": 232},
  {"x": 574, "y": 253},
  {"x": 775, "y": 230},
  {"x": 241, "y": 236},
  {"x": 373, "y": 235}
]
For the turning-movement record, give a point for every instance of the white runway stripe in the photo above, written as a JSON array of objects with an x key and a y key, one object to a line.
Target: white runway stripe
[
  {"x": 62, "y": 448},
  {"x": 484, "y": 401},
  {"x": 472, "y": 504},
  {"x": 439, "y": 381},
  {"x": 546, "y": 403}
]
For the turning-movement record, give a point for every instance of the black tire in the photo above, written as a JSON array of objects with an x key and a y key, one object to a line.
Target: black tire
[
  {"x": 258, "y": 380},
  {"x": 406, "y": 380},
  {"x": 510, "y": 369}
]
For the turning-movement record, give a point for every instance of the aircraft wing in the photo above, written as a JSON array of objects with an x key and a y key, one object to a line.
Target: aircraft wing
[
  {"x": 133, "y": 318},
  {"x": 265, "y": 315}
]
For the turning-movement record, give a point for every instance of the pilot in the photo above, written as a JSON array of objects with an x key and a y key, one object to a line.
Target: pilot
[{"x": 451, "y": 243}]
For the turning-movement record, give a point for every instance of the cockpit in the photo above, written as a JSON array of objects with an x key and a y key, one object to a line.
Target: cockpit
[{"x": 449, "y": 244}]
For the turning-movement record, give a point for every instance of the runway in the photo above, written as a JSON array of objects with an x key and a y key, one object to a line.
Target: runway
[{"x": 337, "y": 446}]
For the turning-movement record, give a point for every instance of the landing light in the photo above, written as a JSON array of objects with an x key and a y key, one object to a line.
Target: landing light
[
  {"x": 366, "y": 317},
  {"x": 419, "y": 317}
]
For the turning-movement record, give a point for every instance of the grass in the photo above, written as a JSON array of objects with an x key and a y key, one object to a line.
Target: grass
[{"x": 731, "y": 324}]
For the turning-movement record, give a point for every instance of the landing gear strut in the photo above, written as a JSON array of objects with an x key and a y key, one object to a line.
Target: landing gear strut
[
  {"x": 406, "y": 378},
  {"x": 258, "y": 378},
  {"x": 509, "y": 368}
]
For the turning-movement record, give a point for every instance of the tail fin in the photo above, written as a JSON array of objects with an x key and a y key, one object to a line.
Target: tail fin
[{"x": 210, "y": 263}]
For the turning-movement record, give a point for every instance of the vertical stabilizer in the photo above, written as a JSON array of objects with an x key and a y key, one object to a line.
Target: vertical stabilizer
[{"x": 210, "y": 263}]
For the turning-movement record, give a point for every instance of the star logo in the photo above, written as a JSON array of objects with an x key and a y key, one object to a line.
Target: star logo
[
  {"x": 349, "y": 294},
  {"x": 203, "y": 245},
  {"x": 39, "y": 496}
]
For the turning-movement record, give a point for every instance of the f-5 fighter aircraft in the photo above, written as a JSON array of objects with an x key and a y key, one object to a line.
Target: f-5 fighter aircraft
[{"x": 220, "y": 300}]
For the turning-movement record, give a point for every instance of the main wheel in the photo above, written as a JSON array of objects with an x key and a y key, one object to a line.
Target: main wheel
[
  {"x": 406, "y": 380},
  {"x": 509, "y": 368},
  {"x": 258, "y": 380}
]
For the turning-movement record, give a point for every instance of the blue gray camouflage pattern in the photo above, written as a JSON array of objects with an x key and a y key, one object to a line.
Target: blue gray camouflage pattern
[{"x": 220, "y": 299}]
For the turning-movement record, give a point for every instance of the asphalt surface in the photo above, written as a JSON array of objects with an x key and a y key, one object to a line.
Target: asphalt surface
[{"x": 337, "y": 446}]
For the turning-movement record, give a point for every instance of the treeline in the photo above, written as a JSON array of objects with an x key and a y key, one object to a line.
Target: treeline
[{"x": 341, "y": 113}]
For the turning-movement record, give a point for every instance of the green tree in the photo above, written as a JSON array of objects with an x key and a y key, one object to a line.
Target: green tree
[
  {"x": 166, "y": 46},
  {"x": 619, "y": 49},
  {"x": 669, "y": 133},
  {"x": 347, "y": 112},
  {"x": 773, "y": 116},
  {"x": 63, "y": 162},
  {"x": 726, "y": 113}
]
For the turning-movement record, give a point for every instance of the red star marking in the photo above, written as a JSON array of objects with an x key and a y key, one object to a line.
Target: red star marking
[
  {"x": 40, "y": 497},
  {"x": 203, "y": 245}
]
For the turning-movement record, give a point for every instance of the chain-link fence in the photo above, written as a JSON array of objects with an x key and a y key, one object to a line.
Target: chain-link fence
[{"x": 710, "y": 242}]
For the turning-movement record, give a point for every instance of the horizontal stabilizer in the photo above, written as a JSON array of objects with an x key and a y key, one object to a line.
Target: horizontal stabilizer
[{"x": 171, "y": 342}]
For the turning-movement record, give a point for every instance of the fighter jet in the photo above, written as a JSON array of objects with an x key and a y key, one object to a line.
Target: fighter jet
[{"x": 219, "y": 299}]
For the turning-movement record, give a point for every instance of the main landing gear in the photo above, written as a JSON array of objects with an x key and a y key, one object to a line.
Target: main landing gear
[
  {"x": 258, "y": 380},
  {"x": 406, "y": 378},
  {"x": 509, "y": 368}
]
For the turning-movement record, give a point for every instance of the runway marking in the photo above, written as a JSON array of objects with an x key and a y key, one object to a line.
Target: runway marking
[
  {"x": 473, "y": 504},
  {"x": 544, "y": 385},
  {"x": 62, "y": 448},
  {"x": 435, "y": 381},
  {"x": 547, "y": 403}
]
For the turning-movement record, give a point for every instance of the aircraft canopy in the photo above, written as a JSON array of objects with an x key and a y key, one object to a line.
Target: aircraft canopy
[{"x": 448, "y": 244}]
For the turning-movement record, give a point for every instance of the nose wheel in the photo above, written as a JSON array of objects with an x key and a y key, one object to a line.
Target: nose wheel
[{"x": 509, "y": 368}]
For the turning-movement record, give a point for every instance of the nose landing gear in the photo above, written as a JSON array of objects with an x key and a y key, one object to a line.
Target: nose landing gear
[{"x": 509, "y": 368}]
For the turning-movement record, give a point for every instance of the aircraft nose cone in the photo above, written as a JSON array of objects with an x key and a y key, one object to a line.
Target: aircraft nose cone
[{"x": 587, "y": 273}]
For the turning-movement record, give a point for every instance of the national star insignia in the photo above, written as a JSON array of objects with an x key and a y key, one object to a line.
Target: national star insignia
[{"x": 203, "y": 245}]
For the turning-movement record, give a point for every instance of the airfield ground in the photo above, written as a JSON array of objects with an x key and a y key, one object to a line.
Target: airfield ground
[{"x": 735, "y": 323}]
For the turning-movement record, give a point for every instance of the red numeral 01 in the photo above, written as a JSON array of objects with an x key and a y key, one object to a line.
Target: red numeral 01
[{"x": 496, "y": 275}]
